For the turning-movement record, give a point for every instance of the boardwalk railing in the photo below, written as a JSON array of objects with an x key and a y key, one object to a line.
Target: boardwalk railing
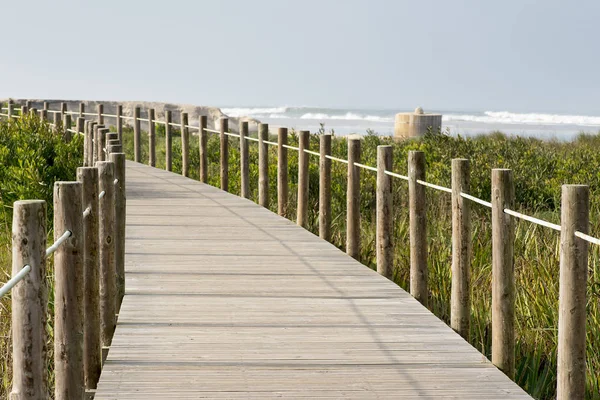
[
  {"x": 573, "y": 228},
  {"x": 88, "y": 248}
]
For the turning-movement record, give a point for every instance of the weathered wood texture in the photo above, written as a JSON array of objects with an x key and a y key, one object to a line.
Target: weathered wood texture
[
  {"x": 108, "y": 281},
  {"x": 29, "y": 301},
  {"x": 244, "y": 161},
  {"x": 137, "y": 135},
  {"x": 92, "y": 360},
  {"x": 302, "y": 207},
  {"x": 572, "y": 300},
  {"x": 263, "y": 165},
  {"x": 353, "y": 199},
  {"x": 282, "y": 172},
  {"x": 202, "y": 143},
  {"x": 385, "y": 254},
  {"x": 168, "y": 141},
  {"x": 68, "y": 292},
  {"x": 227, "y": 300},
  {"x": 224, "y": 154},
  {"x": 503, "y": 272},
  {"x": 118, "y": 159},
  {"x": 325, "y": 187},
  {"x": 151, "y": 138},
  {"x": 460, "y": 307},
  {"x": 418, "y": 227},
  {"x": 185, "y": 144}
]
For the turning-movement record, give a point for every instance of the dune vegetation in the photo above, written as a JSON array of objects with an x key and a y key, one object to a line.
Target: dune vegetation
[
  {"x": 32, "y": 157},
  {"x": 539, "y": 168}
]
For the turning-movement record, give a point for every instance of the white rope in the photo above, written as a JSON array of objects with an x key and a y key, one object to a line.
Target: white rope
[
  {"x": 314, "y": 153},
  {"x": 365, "y": 167},
  {"x": 532, "y": 219},
  {"x": 211, "y": 130},
  {"x": 87, "y": 212},
  {"x": 58, "y": 242},
  {"x": 395, "y": 175},
  {"x": 94, "y": 114},
  {"x": 431, "y": 185},
  {"x": 231, "y": 134},
  {"x": 14, "y": 280},
  {"x": 109, "y": 115},
  {"x": 193, "y": 127},
  {"x": 116, "y": 181},
  {"x": 476, "y": 200},
  {"x": 158, "y": 122},
  {"x": 587, "y": 238},
  {"x": 251, "y": 138},
  {"x": 53, "y": 111},
  {"x": 124, "y": 117},
  {"x": 174, "y": 124},
  {"x": 337, "y": 159},
  {"x": 285, "y": 146},
  {"x": 4, "y": 115},
  {"x": 143, "y": 119},
  {"x": 102, "y": 194}
]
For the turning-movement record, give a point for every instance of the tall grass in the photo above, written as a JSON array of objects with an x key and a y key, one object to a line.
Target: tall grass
[
  {"x": 539, "y": 167},
  {"x": 32, "y": 158}
]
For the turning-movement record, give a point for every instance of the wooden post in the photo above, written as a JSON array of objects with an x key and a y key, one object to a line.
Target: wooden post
[
  {"x": 572, "y": 298},
  {"x": 185, "y": 145},
  {"x": 81, "y": 110},
  {"x": 168, "y": 141},
  {"x": 418, "y": 227},
  {"x": 112, "y": 136},
  {"x": 353, "y": 200},
  {"x": 282, "y": 172},
  {"x": 108, "y": 281},
  {"x": 68, "y": 292},
  {"x": 460, "y": 309},
  {"x": 67, "y": 127},
  {"x": 302, "y": 212},
  {"x": 503, "y": 272},
  {"x": 115, "y": 148},
  {"x": 137, "y": 138},
  {"x": 384, "y": 241},
  {"x": 81, "y": 126},
  {"x": 44, "y": 115},
  {"x": 325, "y": 187},
  {"x": 224, "y": 154},
  {"x": 118, "y": 160},
  {"x": 151, "y": 138},
  {"x": 244, "y": 162},
  {"x": 102, "y": 144},
  {"x": 28, "y": 104},
  {"x": 29, "y": 301},
  {"x": 263, "y": 165},
  {"x": 56, "y": 121},
  {"x": 46, "y": 106},
  {"x": 33, "y": 111},
  {"x": 202, "y": 148},
  {"x": 91, "y": 145},
  {"x": 63, "y": 110},
  {"x": 92, "y": 354},
  {"x": 119, "y": 115},
  {"x": 24, "y": 111},
  {"x": 86, "y": 142},
  {"x": 10, "y": 109},
  {"x": 101, "y": 114}
]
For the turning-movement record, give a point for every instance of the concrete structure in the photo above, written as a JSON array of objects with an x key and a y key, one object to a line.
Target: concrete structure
[{"x": 415, "y": 124}]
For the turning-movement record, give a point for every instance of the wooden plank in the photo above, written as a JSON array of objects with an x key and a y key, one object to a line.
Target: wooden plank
[{"x": 227, "y": 300}]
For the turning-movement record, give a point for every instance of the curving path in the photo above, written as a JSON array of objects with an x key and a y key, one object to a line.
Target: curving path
[{"x": 227, "y": 300}]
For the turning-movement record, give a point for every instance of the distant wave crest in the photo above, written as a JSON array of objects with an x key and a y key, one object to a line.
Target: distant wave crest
[
  {"x": 253, "y": 111},
  {"x": 348, "y": 116},
  {"x": 505, "y": 117}
]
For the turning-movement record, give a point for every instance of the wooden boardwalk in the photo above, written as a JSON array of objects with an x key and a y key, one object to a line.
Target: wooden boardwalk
[{"x": 227, "y": 300}]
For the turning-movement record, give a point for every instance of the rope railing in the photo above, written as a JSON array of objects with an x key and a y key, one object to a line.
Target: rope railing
[
  {"x": 63, "y": 238},
  {"x": 19, "y": 276},
  {"x": 417, "y": 200}
]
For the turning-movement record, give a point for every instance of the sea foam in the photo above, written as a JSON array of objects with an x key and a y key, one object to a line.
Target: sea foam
[{"x": 506, "y": 117}]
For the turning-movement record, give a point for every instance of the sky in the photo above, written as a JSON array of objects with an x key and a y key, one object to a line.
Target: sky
[{"x": 514, "y": 55}]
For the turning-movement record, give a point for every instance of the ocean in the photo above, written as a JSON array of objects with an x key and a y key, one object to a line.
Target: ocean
[{"x": 345, "y": 121}]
